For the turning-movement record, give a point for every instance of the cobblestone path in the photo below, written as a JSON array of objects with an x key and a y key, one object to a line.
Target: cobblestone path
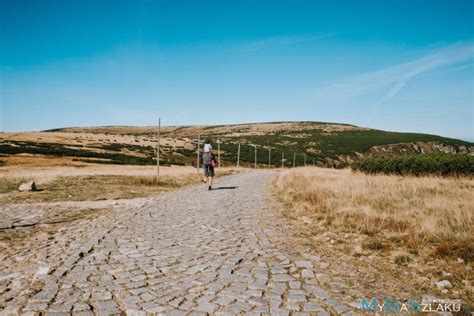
[{"x": 188, "y": 252}]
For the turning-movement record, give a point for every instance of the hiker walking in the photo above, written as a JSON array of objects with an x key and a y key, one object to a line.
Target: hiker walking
[{"x": 209, "y": 162}]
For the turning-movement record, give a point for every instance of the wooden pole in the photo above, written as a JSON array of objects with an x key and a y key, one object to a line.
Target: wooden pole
[
  {"x": 238, "y": 157},
  {"x": 304, "y": 160},
  {"x": 282, "y": 158},
  {"x": 294, "y": 159},
  {"x": 158, "y": 153},
  {"x": 218, "y": 153},
  {"x": 313, "y": 162},
  {"x": 255, "y": 166},
  {"x": 269, "y": 157},
  {"x": 197, "y": 154}
]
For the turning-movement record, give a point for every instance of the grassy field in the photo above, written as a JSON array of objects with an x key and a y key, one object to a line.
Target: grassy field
[
  {"x": 93, "y": 188},
  {"x": 63, "y": 179},
  {"x": 406, "y": 221}
]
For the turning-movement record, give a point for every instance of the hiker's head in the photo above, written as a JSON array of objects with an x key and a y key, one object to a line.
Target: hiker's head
[{"x": 207, "y": 148}]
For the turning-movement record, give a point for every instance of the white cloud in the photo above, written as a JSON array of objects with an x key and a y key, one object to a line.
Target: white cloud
[{"x": 389, "y": 81}]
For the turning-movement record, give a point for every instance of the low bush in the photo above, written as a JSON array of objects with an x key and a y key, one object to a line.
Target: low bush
[{"x": 423, "y": 164}]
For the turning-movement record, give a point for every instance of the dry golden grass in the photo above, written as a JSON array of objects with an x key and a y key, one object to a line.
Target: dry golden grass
[
  {"x": 44, "y": 169},
  {"x": 61, "y": 179},
  {"x": 92, "y": 188},
  {"x": 402, "y": 211},
  {"x": 409, "y": 232}
]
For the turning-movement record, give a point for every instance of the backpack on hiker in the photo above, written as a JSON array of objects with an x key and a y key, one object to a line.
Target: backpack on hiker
[{"x": 207, "y": 159}]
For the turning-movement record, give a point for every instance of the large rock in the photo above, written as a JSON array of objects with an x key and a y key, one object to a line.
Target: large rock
[{"x": 27, "y": 186}]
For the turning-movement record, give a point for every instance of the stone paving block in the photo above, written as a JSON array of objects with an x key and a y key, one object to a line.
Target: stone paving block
[
  {"x": 312, "y": 307},
  {"x": 84, "y": 313},
  {"x": 61, "y": 307},
  {"x": 304, "y": 264},
  {"x": 306, "y": 273},
  {"x": 44, "y": 296},
  {"x": 101, "y": 296},
  {"x": 80, "y": 307},
  {"x": 185, "y": 252},
  {"x": 32, "y": 307},
  {"x": 207, "y": 307},
  {"x": 106, "y": 307},
  {"x": 279, "y": 312},
  {"x": 282, "y": 278},
  {"x": 135, "y": 312}
]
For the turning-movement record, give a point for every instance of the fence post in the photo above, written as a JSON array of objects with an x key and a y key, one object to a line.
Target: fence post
[
  {"x": 304, "y": 160},
  {"x": 158, "y": 153},
  {"x": 218, "y": 153},
  {"x": 255, "y": 166},
  {"x": 238, "y": 156},
  {"x": 269, "y": 157},
  {"x": 282, "y": 158},
  {"x": 294, "y": 159},
  {"x": 197, "y": 154}
]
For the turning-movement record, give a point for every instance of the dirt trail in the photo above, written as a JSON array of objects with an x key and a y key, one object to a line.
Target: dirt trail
[{"x": 191, "y": 251}]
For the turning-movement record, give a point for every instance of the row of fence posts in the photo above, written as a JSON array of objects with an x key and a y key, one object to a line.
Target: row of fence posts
[
  {"x": 238, "y": 156},
  {"x": 219, "y": 154}
]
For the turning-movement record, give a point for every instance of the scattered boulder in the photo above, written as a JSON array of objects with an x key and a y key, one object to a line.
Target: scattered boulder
[
  {"x": 358, "y": 249},
  {"x": 27, "y": 186},
  {"x": 444, "y": 284}
]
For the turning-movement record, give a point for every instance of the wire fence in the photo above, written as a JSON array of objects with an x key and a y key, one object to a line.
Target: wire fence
[{"x": 230, "y": 152}]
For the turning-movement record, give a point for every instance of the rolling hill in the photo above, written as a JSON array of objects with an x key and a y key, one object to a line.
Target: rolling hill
[{"x": 328, "y": 144}]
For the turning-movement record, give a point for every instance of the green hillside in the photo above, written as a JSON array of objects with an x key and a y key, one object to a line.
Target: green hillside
[{"x": 323, "y": 143}]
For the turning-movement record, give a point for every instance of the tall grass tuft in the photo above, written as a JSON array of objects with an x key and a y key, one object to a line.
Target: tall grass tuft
[{"x": 433, "y": 214}]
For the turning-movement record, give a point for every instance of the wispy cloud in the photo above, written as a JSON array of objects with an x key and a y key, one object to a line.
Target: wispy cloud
[
  {"x": 283, "y": 40},
  {"x": 388, "y": 82}
]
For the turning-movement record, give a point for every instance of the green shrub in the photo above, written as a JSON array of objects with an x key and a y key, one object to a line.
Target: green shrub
[{"x": 436, "y": 164}]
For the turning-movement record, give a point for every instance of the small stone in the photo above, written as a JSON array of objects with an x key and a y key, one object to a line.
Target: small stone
[
  {"x": 27, "y": 186},
  {"x": 358, "y": 249},
  {"x": 444, "y": 284},
  {"x": 460, "y": 260}
]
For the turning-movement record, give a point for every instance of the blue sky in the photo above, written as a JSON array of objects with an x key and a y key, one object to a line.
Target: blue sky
[{"x": 392, "y": 65}]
